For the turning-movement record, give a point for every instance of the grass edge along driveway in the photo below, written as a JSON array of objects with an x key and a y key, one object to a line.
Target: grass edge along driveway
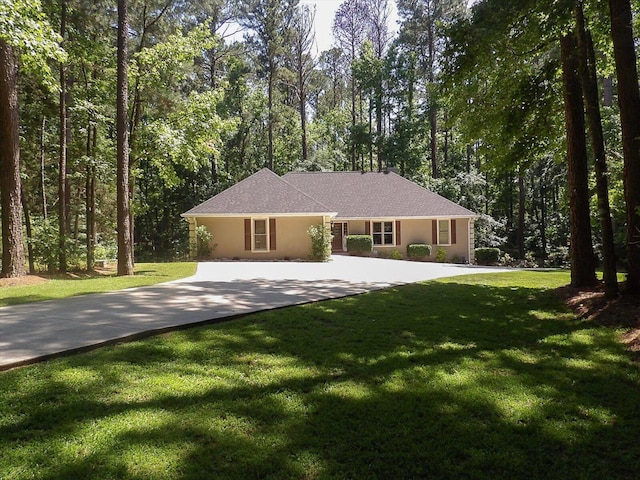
[
  {"x": 57, "y": 287},
  {"x": 484, "y": 377}
]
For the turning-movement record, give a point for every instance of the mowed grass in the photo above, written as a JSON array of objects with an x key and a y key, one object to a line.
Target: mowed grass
[
  {"x": 483, "y": 377},
  {"x": 68, "y": 286}
]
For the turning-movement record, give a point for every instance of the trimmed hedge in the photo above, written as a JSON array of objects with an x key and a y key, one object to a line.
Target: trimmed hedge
[
  {"x": 418, "y": 250},
  {"x": 487, "y": 256},
  {"x": 359, "y": 243}
]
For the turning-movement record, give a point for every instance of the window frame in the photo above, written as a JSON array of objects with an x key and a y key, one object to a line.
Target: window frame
[
  {"x": 448, "y": 220},
  {"x": 267, "y": 248},
  {"x": 382, "y": 232}
]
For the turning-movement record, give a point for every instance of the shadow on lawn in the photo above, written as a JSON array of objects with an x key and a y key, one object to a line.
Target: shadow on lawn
[{"x": 422, "y": 381}]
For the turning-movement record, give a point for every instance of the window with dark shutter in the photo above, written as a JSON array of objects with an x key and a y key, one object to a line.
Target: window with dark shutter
[
  {"x": 398, "y": 237},
  {"x": 272, "y": 234},
  {"x": 434, "y": 232},
  {"x": 453, "y": 231},
  {"x": 247, "y": 234}
]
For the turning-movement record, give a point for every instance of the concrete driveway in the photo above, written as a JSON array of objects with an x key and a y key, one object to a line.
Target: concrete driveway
[{"x": 219, "y": 290}]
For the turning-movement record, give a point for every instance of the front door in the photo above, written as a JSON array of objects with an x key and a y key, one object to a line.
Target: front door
[{"x": 336, "y": 231}]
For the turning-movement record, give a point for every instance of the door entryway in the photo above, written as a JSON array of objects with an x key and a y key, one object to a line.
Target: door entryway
[{"x": 339, "y": 231}]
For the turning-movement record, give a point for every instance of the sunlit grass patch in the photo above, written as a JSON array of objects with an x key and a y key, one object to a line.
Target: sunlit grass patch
[{"x": 484, "y": 377}]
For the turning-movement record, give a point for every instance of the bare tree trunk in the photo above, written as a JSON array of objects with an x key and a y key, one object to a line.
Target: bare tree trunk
[
  {"x": 62, "y": 164},
  {"x": 583, "y": 273},
  {"x": 589, "y": 82},
  {"x": 10, "y": 184},
  {"x": 629, "y": 101},
  {"x": 43, "y": 189},
  {"x": 125, "y": 249},
  {"x": 521, "y": 213},
  {"x": 433, "y": 114},
  {"x": 270, "y": 108},
  {"x": 27, "y": 224}
]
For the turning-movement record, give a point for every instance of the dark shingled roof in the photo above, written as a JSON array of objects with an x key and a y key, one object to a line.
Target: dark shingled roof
[
  {"x": 350, "y": 194},
  {"x": 374, "y": 195},
  {"x": 263, "y": 192}
]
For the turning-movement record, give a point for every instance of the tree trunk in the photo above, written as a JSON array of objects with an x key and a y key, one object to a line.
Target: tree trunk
[
  {"x": 43, "y": 189},
  {"x": 379, "y": 124},
  {"x": 433, "y": 142},
  {"x": 589, "y": 81},
  {"x": 125, "y": 249},
  {"x": 90, "y": 186},
  {"x": 62, "y": 164},
  {"x": 10, "y": 184},
  {"x": 629, "y": 101},
  {"x": 521, "y": 213},
  {"x": 271, "y": 82},
  {"x": 433, "y": 114},
  {"x": 27, "y": 224},
  {"x": 583, "y": 273},
  {"x": 303, "y": 105}
]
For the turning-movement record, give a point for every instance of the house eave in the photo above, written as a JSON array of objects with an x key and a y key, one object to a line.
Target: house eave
[
  {"x": 406, "y": 217},
  {"x": 258, "y": 214}
]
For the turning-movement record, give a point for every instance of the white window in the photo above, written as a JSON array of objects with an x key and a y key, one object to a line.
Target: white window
[
  {"x": 260, "y": 235},
  {"x": 444, "y": 229},
  {"x": 382, "y": 233}
]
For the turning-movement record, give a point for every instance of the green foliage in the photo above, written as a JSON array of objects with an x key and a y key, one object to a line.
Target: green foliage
[
  {"x": 396, "y": 255},
  {"x": 359, "y": 244},
  {"x": 487, "y": 255},
  {"x": 441, "y": 255},
  {"x": 24, "y": 26},
  {"x": 203, "y": 243},
  {"x": 44, "y": 243},
  {"x": 418, "y": 250},
  {"x": 320, "y": 242},
  {"x": 106, "y": 251}
]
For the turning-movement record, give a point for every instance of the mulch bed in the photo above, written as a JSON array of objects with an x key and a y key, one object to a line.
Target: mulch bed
[{"x": 591, "y": 305}]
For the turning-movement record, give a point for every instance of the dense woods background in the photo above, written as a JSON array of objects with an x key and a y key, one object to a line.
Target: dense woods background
[{"x": 484, "y": 104}]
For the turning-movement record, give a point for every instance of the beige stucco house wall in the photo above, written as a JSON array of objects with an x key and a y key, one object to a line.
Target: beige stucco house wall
[
  {"x": 291, "y": 237},
  {"x": 421, "y": 231}
]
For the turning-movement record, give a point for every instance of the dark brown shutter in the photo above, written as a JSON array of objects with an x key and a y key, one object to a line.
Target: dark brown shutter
[
  {"x": 367, "y": 228},
  {"x": 434, "y": 232},
  {"x": 247, "y": 234},
  {"x": 453, "y": 231},
  {"x": 398, "y": 238},
  {"x": 272, "y": 234}
]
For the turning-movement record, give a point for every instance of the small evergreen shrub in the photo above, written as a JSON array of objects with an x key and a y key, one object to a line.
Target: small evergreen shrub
[
  {"x": 418, "y": 250},
  {"x": 320, "y": 242},
  {"x": 487, "y": 255},
  {"x": 396, "y": 255},
  {"x": 441, "y": 255},
  {"x": 359, "y": 244}
]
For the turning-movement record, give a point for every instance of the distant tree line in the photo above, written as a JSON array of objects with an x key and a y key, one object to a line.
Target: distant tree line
[{"x": 525, "y": 112}]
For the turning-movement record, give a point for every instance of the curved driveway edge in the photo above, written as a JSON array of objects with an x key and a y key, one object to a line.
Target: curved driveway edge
[{"x": 218, "y": 290}]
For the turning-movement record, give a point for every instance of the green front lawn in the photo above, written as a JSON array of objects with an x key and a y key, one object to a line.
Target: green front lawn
[
  {"x": 473, "y": 377},
  {"x": 57, "y": 287}
]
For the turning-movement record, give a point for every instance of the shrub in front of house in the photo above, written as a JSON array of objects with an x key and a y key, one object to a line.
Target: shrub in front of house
[
  {"x": 441, "y": 255},
  {"x": 320, "y": 242},
  {"x": 487, "y": 255},
  {"x": 418, "y": 251},
  {"x": 203, "y": 247},
  {"x": 359, "y": 244}
]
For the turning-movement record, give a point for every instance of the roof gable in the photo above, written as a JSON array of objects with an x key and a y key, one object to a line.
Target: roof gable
[
  {"x": 374, "y": 194},
  {"x": 264, "y": 192}
]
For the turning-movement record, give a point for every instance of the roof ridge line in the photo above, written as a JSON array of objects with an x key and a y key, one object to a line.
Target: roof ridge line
[{"x": 302, "y": 192}]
